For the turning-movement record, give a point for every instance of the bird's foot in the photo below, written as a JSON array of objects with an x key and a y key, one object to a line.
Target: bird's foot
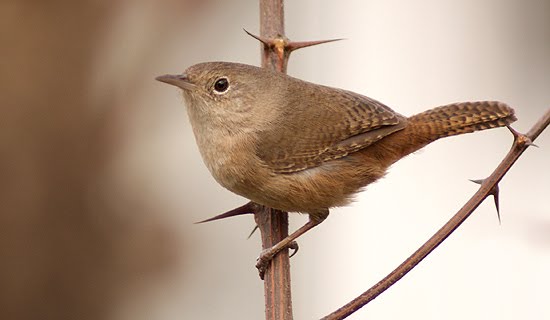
[{"x": 263, "y": 261}]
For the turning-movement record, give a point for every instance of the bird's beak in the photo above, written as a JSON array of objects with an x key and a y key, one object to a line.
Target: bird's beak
[{"x": 179, "y": 80}]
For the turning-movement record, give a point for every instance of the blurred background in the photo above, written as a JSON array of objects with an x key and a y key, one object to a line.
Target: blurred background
[{"x": 101, "y": 180}]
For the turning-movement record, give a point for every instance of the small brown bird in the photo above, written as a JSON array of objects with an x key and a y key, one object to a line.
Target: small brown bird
[{"x": 302, "y": 147}]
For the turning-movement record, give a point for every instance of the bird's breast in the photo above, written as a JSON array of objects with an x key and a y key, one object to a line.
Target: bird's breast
[{"x": 232, "y": 161}]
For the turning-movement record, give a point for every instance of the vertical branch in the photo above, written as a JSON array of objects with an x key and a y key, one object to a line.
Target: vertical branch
[
  {"x": 273, "y": 224},
  {"x": 272, "y": 29}
]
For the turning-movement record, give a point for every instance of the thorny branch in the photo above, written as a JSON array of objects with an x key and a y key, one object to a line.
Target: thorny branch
[{"x": 521, "y": 143}]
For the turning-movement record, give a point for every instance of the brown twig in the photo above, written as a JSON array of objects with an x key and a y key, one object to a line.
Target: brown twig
[
  {"x": 273, "y": 224},
  {"x": 521, "y": 143}
]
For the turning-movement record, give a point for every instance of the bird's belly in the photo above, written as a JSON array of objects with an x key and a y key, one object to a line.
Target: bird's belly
[
  {"x": 331, "y": 184},
  {"x": 307, "y": 191}
]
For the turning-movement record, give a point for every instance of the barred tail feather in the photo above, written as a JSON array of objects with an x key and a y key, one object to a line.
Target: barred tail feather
[
  {"x": 446, "y": 121},
  {"x": 465, "y": 117}
]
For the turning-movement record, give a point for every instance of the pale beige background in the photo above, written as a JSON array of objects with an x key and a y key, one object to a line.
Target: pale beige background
[{"x": 411, "y": 56}]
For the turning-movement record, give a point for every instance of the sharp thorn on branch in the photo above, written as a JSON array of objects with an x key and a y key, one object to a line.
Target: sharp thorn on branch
[
  {"x": 478, "y": 181},
  {"x": 495, "y": 197},
  {"x": 291, "y": 46},
  {"x": 513, "y": 131},
  {"x": 494, "y": 192},
  {"x": 244, "y": 209},
  {"x": 520, "y": 138},
  {"x": 252, "y": 232},
  {"x": 265, "y": 41}
]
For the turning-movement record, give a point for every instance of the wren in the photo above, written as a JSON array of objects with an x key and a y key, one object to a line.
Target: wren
[{"x": 301, "y": 147}]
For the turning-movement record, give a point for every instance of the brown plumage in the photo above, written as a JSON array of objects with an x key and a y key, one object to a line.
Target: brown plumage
[{"x": 298, "y": 146}]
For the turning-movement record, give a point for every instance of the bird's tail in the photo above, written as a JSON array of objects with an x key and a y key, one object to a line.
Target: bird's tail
[
  {"x": 450, "y": 120},
  {"x": 465, "y": 117}
]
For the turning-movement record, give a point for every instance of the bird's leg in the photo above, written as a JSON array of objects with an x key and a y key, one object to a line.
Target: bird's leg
[{"x": 267, "y": 254}]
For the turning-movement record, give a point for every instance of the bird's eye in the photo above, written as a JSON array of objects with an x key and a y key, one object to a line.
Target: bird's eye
[{"x": 221, "y": 85}]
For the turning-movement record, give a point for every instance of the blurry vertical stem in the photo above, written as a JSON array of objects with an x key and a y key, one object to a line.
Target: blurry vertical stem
[{"x": 272, "y": 223}]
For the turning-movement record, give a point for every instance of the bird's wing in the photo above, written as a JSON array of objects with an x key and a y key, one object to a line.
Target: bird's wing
[{"x": 308, "y": 134}]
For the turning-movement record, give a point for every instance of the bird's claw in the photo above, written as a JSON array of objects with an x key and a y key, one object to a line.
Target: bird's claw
[
  {"x": 267, "y": 255},
  {"x": 263, "y": 262},
  {"x": 294, "y": 247}
]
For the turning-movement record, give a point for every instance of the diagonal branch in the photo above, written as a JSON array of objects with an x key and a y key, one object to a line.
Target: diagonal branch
[{"x": 521, "y": 143}]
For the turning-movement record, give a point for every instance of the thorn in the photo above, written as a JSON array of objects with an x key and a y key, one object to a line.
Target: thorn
[
  {"x": 266, "y": 42},
  {"x": 244, "y": 209},
  {"x": 291, "y": 46},
  {"x": 513, "y": 131},
  {"x": 478, "y": 181},
  {"x": 494, "y": 192},
  {"x": 530, "y": 143},
  {"x": 252, "y": 232},
  {"x": 520, "y": 138},
  {"x": 495, "y": 197}
]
